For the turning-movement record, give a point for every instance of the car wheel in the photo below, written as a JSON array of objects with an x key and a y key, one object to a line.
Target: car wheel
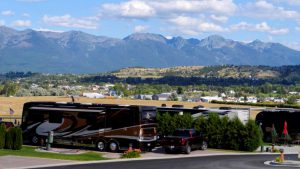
[
  {"x": 100, "y": 145},
  {"x": 113, "y": 146},
  {"x": 204, "y": 145},
  {"x": 167, "y": 151},
  {"x": 188, "y": 149}
]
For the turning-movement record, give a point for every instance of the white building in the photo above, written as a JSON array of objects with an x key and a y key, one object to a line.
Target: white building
[{"x": 93, "y": 95}]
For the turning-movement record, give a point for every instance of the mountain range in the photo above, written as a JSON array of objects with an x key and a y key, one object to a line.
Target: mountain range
[{"x": 79, "y": 52}]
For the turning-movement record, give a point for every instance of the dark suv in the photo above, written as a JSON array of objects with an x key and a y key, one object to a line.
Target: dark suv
[{"x": 184, "y": 140}]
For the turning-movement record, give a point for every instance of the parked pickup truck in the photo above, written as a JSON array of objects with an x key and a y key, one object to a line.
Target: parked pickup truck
[{"x": 184, "y": 140}]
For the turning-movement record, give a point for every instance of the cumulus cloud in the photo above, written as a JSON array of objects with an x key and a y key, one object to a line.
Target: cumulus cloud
[
  {"x": 260, "y": 27},
  {"x": 20, "y": 23},
  {"x": 195, "y": 6},
  {"x": 69, "y": 21},
  {"x": 2, "y": 22},
  {"x": 264, "y": 9},
  {"x": 293, "y": 45},
  {"x": 7, "y": 13},
  {"x": 140, "y": 28},
  {"x": 193, "y": 26},
  {"x": 222, "y": 19},
  {"x": 161, "y": 8},
  {"x": 130, "y": 9},
  {"x": 290, "y": 2}
]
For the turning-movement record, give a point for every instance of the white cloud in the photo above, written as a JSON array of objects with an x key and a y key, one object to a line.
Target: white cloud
[
  {"x": 140, "y": 28},
  {"x": 48, "y": 30},
  {"x": 26, "y": 15},
  {"x": 141, "y": 9},
  {"x": 290, "y": 2},
  {"x": 260, "y": 27},
  {"x": 241, "y": 26},
  {"x": 130, "y": 9},
  {"x": 69, "y": 21},
  {"x": 21, "y": 23},
  {"x": 297, "y": 28},
  {"x": 281, "y": 31},
  {"x": 264, "y": 9},
  {"x": 193, "y": 26},
  {"x": 7, "y": 13},
  {"x": 293, "y": 45},
  {"x": 210, "y": 27},
  {"x": 184, "y": 21},
  {"x": 195, "y": 6},
  {"x": 2, "y": 22},
  {"x": 222, "y": 19}
]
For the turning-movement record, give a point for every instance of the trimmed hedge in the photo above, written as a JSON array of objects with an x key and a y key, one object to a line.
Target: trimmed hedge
[
  {"x": 221, "y": 132},
  {"x": 13, "y": 138},
  {"x": 17, "y": 138},
  {"x": 9, "y": 139},
  {"x": 2, "y": 135},
  {"x": 258, "y": 104}
]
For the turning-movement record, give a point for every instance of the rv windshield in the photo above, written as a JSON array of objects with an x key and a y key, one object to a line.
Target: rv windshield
[{"x": 148, "y": 117}]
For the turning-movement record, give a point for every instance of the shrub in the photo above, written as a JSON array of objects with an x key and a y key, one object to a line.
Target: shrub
[
  {"x": 17, "y": 138},
  {"x": 2, "y": 136},
  {"x": 253, "y": 137},
  {"x": 214, "y": 132},
  {"x": 184, "y": 121},
  {"x": 200, "y": 124},
  {"x": 136, "y": 153},
  {"x": 9, "y": 139},
  {"x": 165, "y": 124}
]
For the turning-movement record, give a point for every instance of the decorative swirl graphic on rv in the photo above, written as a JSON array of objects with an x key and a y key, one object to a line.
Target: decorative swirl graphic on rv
[{"x": 45, "y": 127}]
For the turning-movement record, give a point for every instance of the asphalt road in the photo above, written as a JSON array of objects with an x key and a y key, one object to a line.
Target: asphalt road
[{"x": 210, "y": 162}]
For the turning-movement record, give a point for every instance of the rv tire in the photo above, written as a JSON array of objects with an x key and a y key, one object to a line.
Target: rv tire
[
  {"x": 100, "y": 145},
  {"x": 113, "y": 146},
  {"x": 35, "y": 140}
]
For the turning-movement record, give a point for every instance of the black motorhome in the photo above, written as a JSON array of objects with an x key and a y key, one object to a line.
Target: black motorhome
[
  {"x": 277, "y": 117},
  {"x": 105, "y": 126}
]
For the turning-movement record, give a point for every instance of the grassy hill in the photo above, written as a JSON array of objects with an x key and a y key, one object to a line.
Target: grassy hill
[{"x": 260, "y": 72}]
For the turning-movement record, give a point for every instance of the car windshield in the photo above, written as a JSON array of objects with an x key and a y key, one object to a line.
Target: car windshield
[{"x": 182, "y": 133}]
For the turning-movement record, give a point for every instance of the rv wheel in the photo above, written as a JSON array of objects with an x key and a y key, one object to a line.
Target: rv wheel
[
  {"x": 35, "y": 140},
  {"x": 100, "y": 145},
  {"x": 113, "y": 146}
]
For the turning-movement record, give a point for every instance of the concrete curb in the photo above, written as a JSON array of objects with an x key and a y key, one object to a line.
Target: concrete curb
[
  {"x": 294, "y": 164},
  {"x": 148, "y": 158}
]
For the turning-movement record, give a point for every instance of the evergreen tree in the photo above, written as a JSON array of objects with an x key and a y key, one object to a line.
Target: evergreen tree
[{"x": 253, "y": 138}]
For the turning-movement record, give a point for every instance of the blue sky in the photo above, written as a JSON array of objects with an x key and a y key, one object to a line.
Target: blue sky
[{"x": 242, "y": 20}]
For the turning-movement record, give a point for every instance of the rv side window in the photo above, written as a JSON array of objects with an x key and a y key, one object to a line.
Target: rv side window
[{"x": 55, "y": 117}]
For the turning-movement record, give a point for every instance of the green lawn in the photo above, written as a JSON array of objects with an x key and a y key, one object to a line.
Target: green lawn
[{"x": 30, "y": 152}]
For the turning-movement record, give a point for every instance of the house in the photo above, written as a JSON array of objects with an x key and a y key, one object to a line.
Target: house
[
  {"x": 162, "y": 96},
  {"x": 95, "y": 87},
  {"x": 251, "y": 100},
  {"x": 143, "y": 96},
  {"x": 93, "y": 95},
  {"x": 34, "y": 86},
  {"x": 210, "y": 98}
]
